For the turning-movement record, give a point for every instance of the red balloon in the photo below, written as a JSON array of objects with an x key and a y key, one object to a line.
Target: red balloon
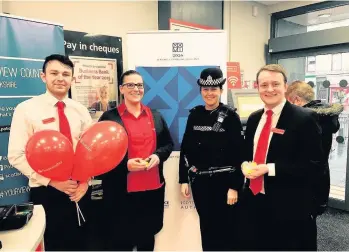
[
  {"x": 100, "y": 149},
  {"x": 50, "y": 154}
]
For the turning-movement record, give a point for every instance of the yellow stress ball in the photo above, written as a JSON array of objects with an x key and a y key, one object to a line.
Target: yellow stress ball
[
  {"x": 144, "y": 162},
  {"x": 251, "y": 166},
  {"x": 246, "y": 167}
]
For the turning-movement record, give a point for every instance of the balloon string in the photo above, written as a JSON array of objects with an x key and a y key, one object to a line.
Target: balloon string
[
  {"x": 77, "y": 212},
  {"x": 80, "y": 212}
]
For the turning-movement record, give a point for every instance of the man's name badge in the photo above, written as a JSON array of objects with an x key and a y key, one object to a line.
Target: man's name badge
[
  {"x": 278, "y": 131},
  {"x": 48, "y": 120}
]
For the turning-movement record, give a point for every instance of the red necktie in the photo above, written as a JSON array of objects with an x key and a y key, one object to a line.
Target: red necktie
[
  {"x": 64, "y": 127},
  {"x": 261, "y": 152}
]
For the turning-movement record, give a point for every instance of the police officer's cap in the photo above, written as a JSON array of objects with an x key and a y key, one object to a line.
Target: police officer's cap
[{"x": 211, "y": 77}]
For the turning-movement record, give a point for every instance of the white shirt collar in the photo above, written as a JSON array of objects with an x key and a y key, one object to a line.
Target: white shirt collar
[
  {"x": 53, "y": 100},
  {"x": 277, "y": 110}
]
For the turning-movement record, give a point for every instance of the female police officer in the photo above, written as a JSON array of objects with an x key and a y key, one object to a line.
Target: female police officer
[{"x": 210, "y": 160}]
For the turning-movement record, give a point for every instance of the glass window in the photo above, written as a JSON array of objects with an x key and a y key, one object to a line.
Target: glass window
[
  {"x": 295, "y": 68},
  {"x": 345, "y": 61},
  {"x": 330, "y": 84},
  {"x": 337, "y": 62},
  {"x": 323, "y": 63},
  {"x": 311, "y": 64},
  {"x": 313, "y": 21}
]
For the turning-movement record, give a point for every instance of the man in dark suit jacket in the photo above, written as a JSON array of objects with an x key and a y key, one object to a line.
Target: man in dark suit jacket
[{"x": 278, "y": 198}]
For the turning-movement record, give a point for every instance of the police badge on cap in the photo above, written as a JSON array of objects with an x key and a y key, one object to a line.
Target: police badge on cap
[{"x": 211, "y": 77}]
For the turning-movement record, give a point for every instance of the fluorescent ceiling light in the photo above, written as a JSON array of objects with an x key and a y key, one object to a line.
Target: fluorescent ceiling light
[{"x": 324, "y": 15}]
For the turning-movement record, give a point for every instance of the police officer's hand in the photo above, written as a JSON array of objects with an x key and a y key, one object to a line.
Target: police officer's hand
[
  {"x": 232, "y": 197},
  {"x": 153, "y": 160},
  {"x": 185, "y": 190},
  {"x": 136, "y": 164}
]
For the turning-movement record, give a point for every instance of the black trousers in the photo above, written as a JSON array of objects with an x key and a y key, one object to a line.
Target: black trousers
[
  {"x": 129, "y": 243},
  {"x": 261, "y": 230},
  {"x": 217, "y": 218},
  {"x": 136, "y": 221},
  {"x": 62, "y": 232}
]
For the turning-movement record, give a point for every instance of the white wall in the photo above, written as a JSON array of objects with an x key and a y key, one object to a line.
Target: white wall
[
  {"x": 248, "y": 35},
  {"x": 114, "y": 18}
]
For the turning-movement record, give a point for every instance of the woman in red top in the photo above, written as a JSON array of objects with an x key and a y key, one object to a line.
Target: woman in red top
[{"x": 134, "y": 191}]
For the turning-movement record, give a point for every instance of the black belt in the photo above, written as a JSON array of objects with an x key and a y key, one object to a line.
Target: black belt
[{"x": 193, "y": 171}]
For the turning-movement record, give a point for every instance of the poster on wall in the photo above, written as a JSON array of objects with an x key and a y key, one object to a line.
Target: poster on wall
[
  {"x": 179, "y": 25},
  {"x": 170, "y": 68},
  {"x": 95, "y": 84},
  {"x": 339, "y": 95},
  {"x": 234, "y": 74},
  {"x": 21, "y": 60},
  {"x": 100, "y": 56}
]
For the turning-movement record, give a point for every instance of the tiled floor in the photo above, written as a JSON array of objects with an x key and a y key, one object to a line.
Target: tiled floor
[{"x": 333, "y": 231}]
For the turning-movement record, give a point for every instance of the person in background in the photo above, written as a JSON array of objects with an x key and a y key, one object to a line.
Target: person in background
[
  {"x": 134, "y": 191},
  {"x": 284, "y": 141},
  {"x": 210, "y": 161},
  {"x": 103, "y": 103},
  {"x": 302, "y": 94},
  {"x": 53, "y": 110}
]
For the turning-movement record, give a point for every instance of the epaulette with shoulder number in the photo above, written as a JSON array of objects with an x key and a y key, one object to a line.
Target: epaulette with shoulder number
[
  {"x": 196, "y": 108},
  {"x": 230, "y": 108}
]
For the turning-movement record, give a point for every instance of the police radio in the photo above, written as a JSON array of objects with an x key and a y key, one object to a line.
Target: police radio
[{"x": 221, "y": 116}]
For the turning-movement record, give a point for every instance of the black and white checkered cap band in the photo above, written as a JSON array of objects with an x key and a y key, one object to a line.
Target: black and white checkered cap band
[{"x": 210, "y": 82}]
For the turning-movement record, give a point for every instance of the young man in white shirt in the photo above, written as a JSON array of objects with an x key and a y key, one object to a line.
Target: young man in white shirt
[{"x": 39, "y": 113}]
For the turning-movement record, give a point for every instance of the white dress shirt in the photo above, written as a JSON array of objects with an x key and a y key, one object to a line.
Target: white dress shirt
[
  {"x": 29, "y": 117},
  {"x": 275, "y": 118}
]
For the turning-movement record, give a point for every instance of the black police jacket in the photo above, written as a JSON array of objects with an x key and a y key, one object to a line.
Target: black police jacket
[{"x": 203, "y": 147}]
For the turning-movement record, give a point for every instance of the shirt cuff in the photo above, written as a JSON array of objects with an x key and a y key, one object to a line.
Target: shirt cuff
[
  {"x": 42, "y": 180},
  {"x": 271, "y": 168}
]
